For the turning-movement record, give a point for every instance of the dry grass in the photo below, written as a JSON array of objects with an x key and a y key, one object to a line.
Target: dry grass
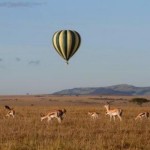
[{"x": 77, "y": 131}]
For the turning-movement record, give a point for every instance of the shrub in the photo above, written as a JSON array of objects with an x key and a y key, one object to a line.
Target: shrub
[{"x": 140, "y": 101}]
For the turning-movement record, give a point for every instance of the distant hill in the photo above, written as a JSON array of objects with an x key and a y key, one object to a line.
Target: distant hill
[{"x": 122, "y": 89}]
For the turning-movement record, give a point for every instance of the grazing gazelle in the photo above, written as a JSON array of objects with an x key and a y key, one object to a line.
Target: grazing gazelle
[
  {"x": 142, "y": 115},
  {"x": 11, "y": 112},
  {"x": 58, "y": 114},
  {"x": 113, "y": 112},
  {"x": 93, "y": 115}
]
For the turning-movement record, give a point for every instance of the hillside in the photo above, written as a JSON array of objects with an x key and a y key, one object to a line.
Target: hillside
[{"x": 122, "y": 89}]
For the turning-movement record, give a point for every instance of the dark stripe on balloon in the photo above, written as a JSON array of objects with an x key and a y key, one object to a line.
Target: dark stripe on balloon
[
  {"x": 69, "y": 43},
  {"x": 79, "y": 39},
  {"x": 56, "y": 43},
  {"x": 65, "y": 43},
  {"x": 76, "y": 44},
  {"x": 73, "y": 44},
  {"x": 61, "y": 43}
]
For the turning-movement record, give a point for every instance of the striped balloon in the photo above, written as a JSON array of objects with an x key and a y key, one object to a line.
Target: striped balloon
[{"x": 66, "y": 43}]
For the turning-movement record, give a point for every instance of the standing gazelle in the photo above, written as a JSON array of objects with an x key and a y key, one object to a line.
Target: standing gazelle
[
  {"x": 11, "y": 112},
  {"x": 113, "y": 112},
  {"x": 142, "y": 115},
  {"x": 58, "y": 114}
]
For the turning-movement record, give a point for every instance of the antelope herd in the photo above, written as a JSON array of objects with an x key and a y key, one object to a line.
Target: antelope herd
[{"x": 59, "y": 114}]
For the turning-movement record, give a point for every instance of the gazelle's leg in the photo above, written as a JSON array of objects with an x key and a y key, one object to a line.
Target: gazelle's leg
[
  {"x": 137, "y": 118},
  {"x": 44, "y": 117},
  {"x": 110, "y": 117},
  {"x": 49, "y": 119},
  {"x": 120, "y": 117},
  {"x": 41, "y": 119},
  {"x": 11, "y": 114},
  {"x": 59, "y": 119},
  {"x": 114, "y": 117},
  {"x": 8, "y": 114}
]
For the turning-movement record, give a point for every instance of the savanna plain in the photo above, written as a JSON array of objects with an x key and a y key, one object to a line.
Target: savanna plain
[{"x": 77, "y": 130}]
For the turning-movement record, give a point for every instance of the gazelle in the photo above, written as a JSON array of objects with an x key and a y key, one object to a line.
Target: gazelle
[
  {"x": 11, "y": 112},
  {"x": 58, "y": 114},
  {"x": 142, "y": 115},
  {"x": 93, "y": 115},
  {"x": 113, "y": 112}
]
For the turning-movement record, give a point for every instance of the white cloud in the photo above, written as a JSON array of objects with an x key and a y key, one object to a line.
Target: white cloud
[
  {"x": 18, "y": 59},
  {"x": 32, "y": 62},
  {"x": 20, "y": 4}
]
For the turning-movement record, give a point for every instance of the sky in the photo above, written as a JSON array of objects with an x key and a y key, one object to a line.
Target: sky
[{"x": 115, "y": 47}]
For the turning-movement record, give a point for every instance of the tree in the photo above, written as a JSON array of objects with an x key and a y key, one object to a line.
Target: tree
[{"x": 139, "y": 101}]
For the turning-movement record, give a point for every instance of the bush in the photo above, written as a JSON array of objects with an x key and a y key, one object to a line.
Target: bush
[{"x": 140, "y": 101}]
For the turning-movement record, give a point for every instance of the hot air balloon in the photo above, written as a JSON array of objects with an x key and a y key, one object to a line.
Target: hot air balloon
[{"x": 66, "y": 43}]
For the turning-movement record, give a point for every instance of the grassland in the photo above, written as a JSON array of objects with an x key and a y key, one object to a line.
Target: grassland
[{"x": 77, "y": 131}]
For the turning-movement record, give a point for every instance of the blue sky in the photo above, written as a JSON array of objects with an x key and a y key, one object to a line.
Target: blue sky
[{"x": 115, "y": 46}]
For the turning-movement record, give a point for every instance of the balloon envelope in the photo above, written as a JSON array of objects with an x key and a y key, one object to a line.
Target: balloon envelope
[{"x": 66, "y": 43}]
